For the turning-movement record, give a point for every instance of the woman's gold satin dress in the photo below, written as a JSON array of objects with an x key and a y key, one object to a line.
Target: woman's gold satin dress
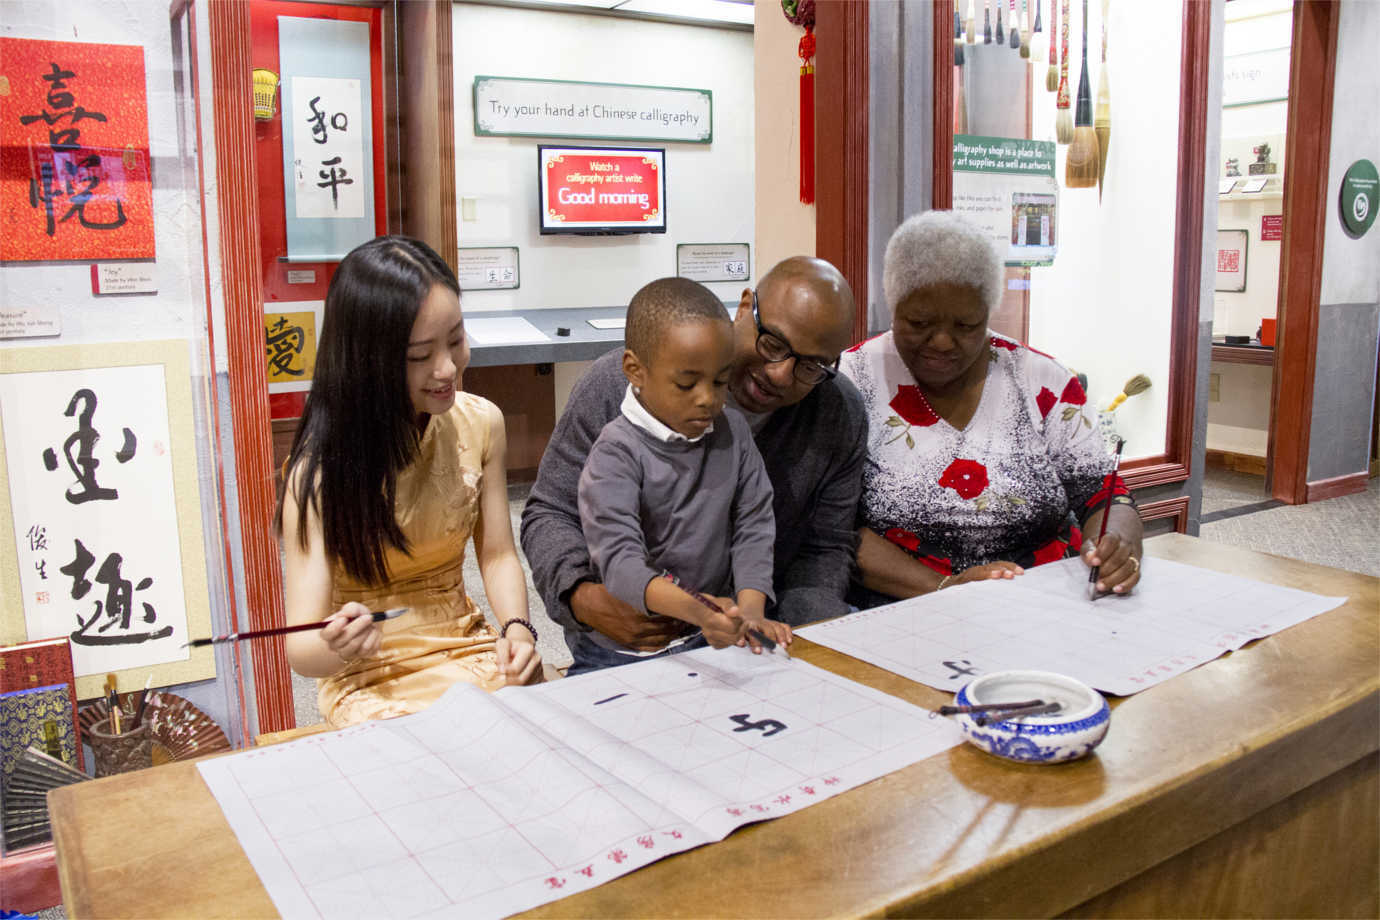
[{"x": 444, "y": 637}]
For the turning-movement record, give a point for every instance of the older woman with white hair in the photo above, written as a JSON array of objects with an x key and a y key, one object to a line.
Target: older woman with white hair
[{"x": 982, "y": 458}]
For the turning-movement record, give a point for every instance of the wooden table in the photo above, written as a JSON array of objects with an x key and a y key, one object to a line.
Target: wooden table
[{"x": 1248, "y": 786}]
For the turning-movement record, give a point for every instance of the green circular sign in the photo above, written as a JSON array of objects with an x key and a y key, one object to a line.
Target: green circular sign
[{"x": 1360, "y": 198}]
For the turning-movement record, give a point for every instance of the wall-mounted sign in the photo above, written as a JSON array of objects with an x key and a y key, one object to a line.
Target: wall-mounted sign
[
  {"x": 124, "y": 278},
  {"x": 602, "y": 190},
  {"x": 1271, "y": 227},
  {"x": 714, "y": 261},
  {"x": 513, "y": 106},
  {"x": 29, "y": 322},
  {"x": 1358, "y": 198},
  {"x": 291, "y": 331},
  {"x": 1260, "y": 76},
  {"x": 1231, "y": 260},
  {"x": 1006, "y": 186},
  {"x": 74, "y": 152},
  {"x": 488, "y": 268}
]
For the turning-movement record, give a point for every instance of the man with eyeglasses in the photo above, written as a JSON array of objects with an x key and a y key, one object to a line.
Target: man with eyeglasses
[{"x": 809, "y": 427}]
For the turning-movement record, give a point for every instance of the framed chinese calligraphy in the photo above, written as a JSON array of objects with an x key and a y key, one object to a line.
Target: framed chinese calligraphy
[
  {"x": 100, "y": 514},
  {"x": 291, "y": 331},
  {"x": 328, "y": 178},
  {"x": 74, "y": 152}
]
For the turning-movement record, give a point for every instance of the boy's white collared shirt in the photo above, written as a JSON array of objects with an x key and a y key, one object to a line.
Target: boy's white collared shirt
[{"x": 635, "y": 412}]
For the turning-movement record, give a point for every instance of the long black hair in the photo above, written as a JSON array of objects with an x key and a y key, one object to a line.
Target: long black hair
[{"x": 359, "y": 428}]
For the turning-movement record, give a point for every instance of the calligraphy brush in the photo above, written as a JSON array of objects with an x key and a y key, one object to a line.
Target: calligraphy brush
[
  {"x": 987, "y": 707},
  {"x": 987, "y": 22},
  {"x": 1063, "y": 125},
  {"x": 1025, "y": 30},
  {"x": 1052, "y": 75},
  {"x": 1014, "y": 28},
  {"x": 1001, "y": 33},
  {"x": 960, "y": 104},
  {"x": 972, "y": 22},
  {"x": 143, "y": 701},
  {"x": 1039, "y": 26},
  {"x": 1102, "y": 121},
  {"x": 768, "y": 643},
  {"x": 378, "y": 615},
  {"x": 1095, "y": 573},
  {"x": 1080, "y": 166},
  {"x": 1002, "y": 715}
]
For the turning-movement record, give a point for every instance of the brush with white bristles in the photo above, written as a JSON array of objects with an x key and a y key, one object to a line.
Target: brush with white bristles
[
  {"x": 1080, "y": 165},
  {"x": 1102, "y": 120}
]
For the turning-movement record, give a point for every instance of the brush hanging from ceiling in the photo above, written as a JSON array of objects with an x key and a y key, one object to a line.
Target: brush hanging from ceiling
[
  {"x": 1052, "y": 74},
  {"x": 1080, "y": 166},
  {"x": 1102, "y": 120},
  {"x": 1063, "y": 122}
]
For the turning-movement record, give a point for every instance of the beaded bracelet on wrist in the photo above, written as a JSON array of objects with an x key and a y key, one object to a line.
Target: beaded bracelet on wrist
[{"x": 525, "y": 624}]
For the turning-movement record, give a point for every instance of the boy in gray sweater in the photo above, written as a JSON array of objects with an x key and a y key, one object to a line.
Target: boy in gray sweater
[{"x": 675, "y": 485}]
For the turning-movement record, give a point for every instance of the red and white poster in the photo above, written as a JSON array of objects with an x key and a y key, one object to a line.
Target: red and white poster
[
  {"x": 591, "y": 189},
  {"x": 1271, "y": 227},
  {"x": 74, "y": 152}
]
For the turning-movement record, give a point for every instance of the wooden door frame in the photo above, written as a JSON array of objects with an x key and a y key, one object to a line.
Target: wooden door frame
[
  {"x": 1307, "y": 144},
  {"x": 1174, "y": 464},
  {"x": 841, "y": 146}
]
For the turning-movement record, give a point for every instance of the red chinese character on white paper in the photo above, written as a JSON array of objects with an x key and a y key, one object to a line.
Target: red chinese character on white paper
[
  {"x": 618, "y": 856},
  {"x": 587, "y": 871},
  {"x": 554, "y": 882},
  {"x": 646, "y": 842}
]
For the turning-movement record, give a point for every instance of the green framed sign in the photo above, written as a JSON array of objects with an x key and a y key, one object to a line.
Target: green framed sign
[
  {"x": 524, "y": 107},
  {"x": 1359, "y": 199}
]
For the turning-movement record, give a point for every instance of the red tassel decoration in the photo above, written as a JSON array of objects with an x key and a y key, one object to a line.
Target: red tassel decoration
[{"x": 807, "y": 117}]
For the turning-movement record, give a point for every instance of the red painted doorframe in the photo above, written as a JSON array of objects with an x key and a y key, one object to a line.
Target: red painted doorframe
[{"x": 1308, "y": 142}]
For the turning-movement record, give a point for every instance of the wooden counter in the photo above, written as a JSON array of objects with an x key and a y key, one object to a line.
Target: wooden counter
[{"x": 1248, "y": 786}]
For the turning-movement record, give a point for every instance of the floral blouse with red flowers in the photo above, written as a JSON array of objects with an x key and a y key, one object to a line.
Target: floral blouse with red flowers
[{"x": 1002, "y": 488}]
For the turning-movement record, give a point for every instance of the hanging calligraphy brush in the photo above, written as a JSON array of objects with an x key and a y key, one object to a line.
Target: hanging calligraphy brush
[
  {"x": 960, "y": 105},
  {"x": 1001, "y": 33},
  {"x": 1080, "y": 166},
  {"x": 987, "y": 22},
  {"x": 1102, "y": 120},
  {"x": 972, "y": 22},
  {"x": 1063, "y": 124},
  {"x": 1052, "y": 75},
  {"x": 1039, "y": 26},
  {"x": 1025, "y": 31},
  {"x": 1015, "y": 28}
]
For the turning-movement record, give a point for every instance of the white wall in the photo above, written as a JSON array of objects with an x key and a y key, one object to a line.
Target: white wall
[
  {"x": 1104, "y": 307},
  {"x": 785, "y": 227},
  {"x": 709, "y": 196}
]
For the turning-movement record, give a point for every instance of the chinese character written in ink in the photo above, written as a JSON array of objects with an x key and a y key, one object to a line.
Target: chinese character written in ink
[
  {"x": 118, "y": 607},
  {"x": 744, "y": 725},
  {"x": 587, "y": 871},
  {"x": 65, "y": 146},
  {"x": 960, "y": 671},
  {"x": 42, "y": 597},
  {"x": 646, "y": 842},
  {"x": 618, "y": 856},
  {"x": 554, "y": 882},
  {"x": 340, "y": 121},
  {"x": 41, "y": 566},
  {"x": 83, "y": 464},
  {"x": 283, "y": 345},
  {"x": 334, "y": 178},
  {"x": 38, "y": 537}
]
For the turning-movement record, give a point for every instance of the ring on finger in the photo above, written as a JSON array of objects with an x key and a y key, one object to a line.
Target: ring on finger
[{"x": 1135, "y": 562}]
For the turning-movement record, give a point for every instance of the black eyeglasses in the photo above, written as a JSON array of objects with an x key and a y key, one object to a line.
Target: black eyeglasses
[{"x": 775, "y": 349}]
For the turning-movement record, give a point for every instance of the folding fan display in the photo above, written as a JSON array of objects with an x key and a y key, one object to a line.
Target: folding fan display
[
  {"x": 180, "y": 731},
  {"x": 25, "y": 797}
]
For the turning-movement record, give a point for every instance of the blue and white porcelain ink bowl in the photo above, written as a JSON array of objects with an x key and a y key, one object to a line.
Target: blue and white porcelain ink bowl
[{"x": 1072, "y": 732}]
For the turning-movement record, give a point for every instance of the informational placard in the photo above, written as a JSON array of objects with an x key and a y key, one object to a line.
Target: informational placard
[
  {"x": 124, "y": 278},
  {"x": 1007, "y": 186},
  {"x": 488, "y": 268},
  {"x": 29, "y": 322},
  {"x": 291, "y": 331},
  {"x": 595, "y": 189},
  {"x": 513, "y": 106},
  {"x": 328, "y": 140},
  {"x": 100, "y": 515},
  {"x": 1231, "y": 260},
  {"x": 1358, "y": 198},
  {"x": 74, "y": 152},
  {"x": 1259, "y": 76},
  {"x": 1271, "y": 227},
  {"x": 714, "y": 261}
]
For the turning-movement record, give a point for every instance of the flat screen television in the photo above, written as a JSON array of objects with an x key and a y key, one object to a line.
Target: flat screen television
[{"x": 601, "y": 190}]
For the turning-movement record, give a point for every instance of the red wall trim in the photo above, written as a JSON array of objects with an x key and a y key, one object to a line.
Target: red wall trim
[
  {"x": 30, "y": 879},
  {"x": 841, "y": 146},
  {"x": 1312, "y": 68},
  {"x": 1176, "y": 508},
  {"x": 233, "y": 116},
  {"x": 1338, "y": 486},
  {"x": 942, "y": 122}
]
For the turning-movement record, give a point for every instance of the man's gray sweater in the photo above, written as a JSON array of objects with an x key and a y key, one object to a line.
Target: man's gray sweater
[{"x": 813, "y": 452}]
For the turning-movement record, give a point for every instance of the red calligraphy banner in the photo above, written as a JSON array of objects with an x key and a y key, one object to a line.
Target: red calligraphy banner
[{"x": 74, "y": 152}]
